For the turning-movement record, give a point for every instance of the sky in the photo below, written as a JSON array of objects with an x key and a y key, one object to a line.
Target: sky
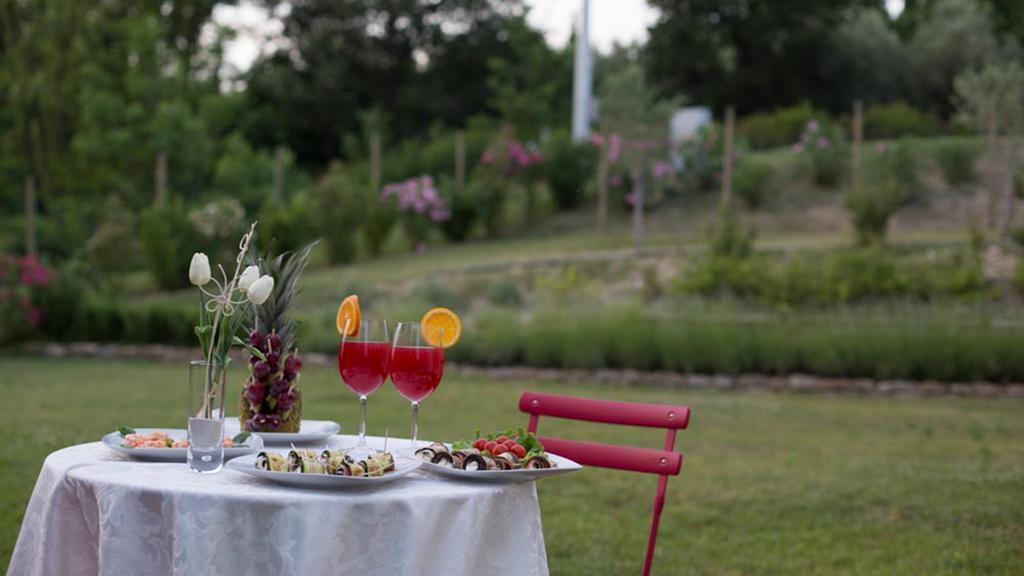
[{"x": 611, "y": 21}]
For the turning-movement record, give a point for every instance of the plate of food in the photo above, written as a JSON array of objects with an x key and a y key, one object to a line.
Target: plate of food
[
  {"x": 330, "y": 468},
  {"x": 508, "y": 456},
  {"x": 170, "y": 444},
  {"x": 309, "y": 431}
]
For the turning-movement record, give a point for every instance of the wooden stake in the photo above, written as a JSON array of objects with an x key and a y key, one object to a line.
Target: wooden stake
[
  {"x": 602, "y": 190},
  {"x": 278, "y": 189},
  {"x": 375, "y": 161},
  {"x": 727, "y": 155},
  {"x": 638, "y": 206},
  {"x": 30, "y": 217},
  {"x": 460, "y": 161},
  {"x": 858, "y": 137},
  {"x": 160, "y": 178}
]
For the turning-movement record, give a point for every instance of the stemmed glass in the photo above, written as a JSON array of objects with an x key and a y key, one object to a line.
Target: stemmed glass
[
  {"x": 416, "y": 367},
  {"x": 363, "y": 366}
]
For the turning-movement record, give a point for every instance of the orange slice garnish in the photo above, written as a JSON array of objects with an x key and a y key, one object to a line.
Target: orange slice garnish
[
  {"x": 349, "y": 316},
  {"x": 441, "y": 327}
]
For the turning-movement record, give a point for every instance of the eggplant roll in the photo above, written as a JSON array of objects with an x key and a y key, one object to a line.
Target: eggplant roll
[
  {"x": 507, "y": 461},
  {"x": 305, "y": 460},
  {"x": 490, "y": 463},
  {"x": 332, "y": 460},
  {"x": 443, "y": 459},
  {"x": 372, "y": 466},
  {"x": 474, "y": 462},
  {"x": 271, "y": 461},
  {"x": 538, "y": 462},
  {"x": 459, "y": 457},
  {"x": 387, "y": 461}
]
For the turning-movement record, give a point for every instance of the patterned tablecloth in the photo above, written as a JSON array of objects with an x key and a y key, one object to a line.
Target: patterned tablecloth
[{"x": 97, "y": 512}]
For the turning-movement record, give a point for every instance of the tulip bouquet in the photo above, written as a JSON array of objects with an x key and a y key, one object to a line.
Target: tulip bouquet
[{"x": 223, "y": 304}]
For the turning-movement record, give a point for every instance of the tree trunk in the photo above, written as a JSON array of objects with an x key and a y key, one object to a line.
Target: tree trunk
[
  {"x": 602, "y": 191},
  {"x": 727, "y": 156},
  {"x": 993, "y": 185},
  {"x": 375, "y": 182},
  {"x": 858, "y": 138},
  {"x": 31, "y": 247},
  {"x": 460, "y": 161},
  {"x": 1009, "y": 149},
  {"x": 278, "y": 187},
  {"x": 638, "y": 206},
  {"x": 160, "y": 178}
]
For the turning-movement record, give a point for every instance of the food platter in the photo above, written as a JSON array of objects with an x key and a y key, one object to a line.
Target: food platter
[
  {"x": 115, "y": 441},
  {"x": 247, "y": 465},
  {"x": 445, "y": 467}
]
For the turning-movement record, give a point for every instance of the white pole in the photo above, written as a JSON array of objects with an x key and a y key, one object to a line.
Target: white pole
[{"x": 582, "y": 84}]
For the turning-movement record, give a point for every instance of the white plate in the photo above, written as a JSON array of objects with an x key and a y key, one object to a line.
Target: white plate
[
  {"x": 247, "y": 465},
  {"x": 562, "y": 466},
  {"x": 309, "y": 431},
  {"x": 115, "y": 442}
]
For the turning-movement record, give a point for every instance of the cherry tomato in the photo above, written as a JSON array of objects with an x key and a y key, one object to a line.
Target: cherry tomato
[
  {"x": 519, "y": 451},
  {"x": 480, "y": 443},
  {"x": 490, "y": 446},
  {"x": 501, "y": 439},
  {"x": 509, "y": 443},
  {"x": 499, "y": 449}
]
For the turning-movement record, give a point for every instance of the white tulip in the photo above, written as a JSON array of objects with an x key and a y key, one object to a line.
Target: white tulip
[
  {"x": 249, "y": 275},
  {"x": 260, "y": 290},
  {"x": 199, "y": 269}
]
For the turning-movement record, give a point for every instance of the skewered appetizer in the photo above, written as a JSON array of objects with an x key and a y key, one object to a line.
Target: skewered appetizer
[
  {"x": 335, "y": 462},
  {"x": 507, "y": 450}
]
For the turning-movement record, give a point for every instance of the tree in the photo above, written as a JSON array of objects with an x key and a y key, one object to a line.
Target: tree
[
  {"x": 952, "y": 37},
  {"x": 753, "y": 55},
  {"x": 866, "y": 62},
  {"x": 992, "y": 100}
]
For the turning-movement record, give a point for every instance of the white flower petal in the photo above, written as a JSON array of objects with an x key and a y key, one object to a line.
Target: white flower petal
[
  {"x": 260, "y": 290},
  {"x": 249, "y": 275},
  {"x": 199, "y": 269}
]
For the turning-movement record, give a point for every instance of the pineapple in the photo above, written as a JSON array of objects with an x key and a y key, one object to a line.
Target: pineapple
[{"x": 270, "y": 400}]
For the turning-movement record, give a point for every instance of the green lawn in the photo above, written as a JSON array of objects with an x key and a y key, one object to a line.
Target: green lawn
[{"x": 771, "y": 483}]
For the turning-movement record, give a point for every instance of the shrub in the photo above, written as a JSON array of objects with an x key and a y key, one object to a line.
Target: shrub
[
  {"x": 22, "y": 278},
  {"x": 730, "y": 239},
  {"x": 168, "y": 242},
  {"x": 780, "y": 127},
  {"x": 504, "y": 293},
  {"x": 957, "y": 161},
  {"x": 114, "y": 247},
  {"x": 284, "y": 227},
  {"x": 897, "y": 166},
  {"x": 870, "y": 209},
  {"x": 825, "y": 148},
  {"x": 218, "y": 225},
  {"x": 752, "y": 181},
  {"x": 490, "y": 193},
  {"x": 568, "y": 168},
  {"x": 341, "y": 207},
  {"x": 464, "y": 211},
  {"x": 420, "y": 206},
  {"x": 898, "y": 120},
  {"x": 701, "y": 160}
]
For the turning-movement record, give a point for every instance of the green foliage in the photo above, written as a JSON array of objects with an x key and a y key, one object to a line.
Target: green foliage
[
  {"x": 491, "y": 194},
  {"x": 285, "y": 227},
  {"x": 218, "y": 225},
  {"x": 244, "y": 173},
  {"x": 168, "y": 243},
  {"x": 277, "y": 313},
  {"x": 702, "y": 159},
  {"x": 871, "y": 207},
  {"x": 753, "y": 181},
  {"x": 568, "y": 168},
  {"x": 957, "y": 161},
  {"x": 992, "y": 98},
  {"x": 897, "y": 120},
  {"x": 340, "y": 209},
  {"x": 825, "y": 147},
  {"x": 730, "y": 238},
  {"x": 464, "y": 211},
  {"x": 843, "y": 278},
  {"x": 780, "y": 127},
  {"x": 114, "y": 246},
  {"x": 504, "y": 293}
]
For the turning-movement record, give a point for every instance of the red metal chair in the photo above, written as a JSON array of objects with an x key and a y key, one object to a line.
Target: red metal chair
[{"x": 662, "y": 462}]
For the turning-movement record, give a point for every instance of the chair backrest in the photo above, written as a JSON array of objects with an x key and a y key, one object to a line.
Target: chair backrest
[{"x": 665, "y": 462}]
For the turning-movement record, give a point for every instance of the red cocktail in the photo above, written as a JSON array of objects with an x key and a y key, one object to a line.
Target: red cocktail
[
  {"x": 363, "y": 365},
  {"x": 416, "y": 371}
]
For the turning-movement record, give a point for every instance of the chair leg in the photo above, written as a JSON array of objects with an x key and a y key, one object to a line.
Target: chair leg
[{"x": 659, "y": 503}]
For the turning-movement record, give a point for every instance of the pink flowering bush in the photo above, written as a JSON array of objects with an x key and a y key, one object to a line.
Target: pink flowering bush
[
  {"x": 20, "y": 279},
  {"x": 825, "y": 148},
  {"x": 420, "y": 206}
]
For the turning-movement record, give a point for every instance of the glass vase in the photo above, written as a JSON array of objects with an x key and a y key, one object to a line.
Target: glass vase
[{"x": 207, "y": 383}]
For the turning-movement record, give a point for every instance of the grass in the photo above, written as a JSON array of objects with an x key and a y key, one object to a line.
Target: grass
[{"x": 771, "y": 483}]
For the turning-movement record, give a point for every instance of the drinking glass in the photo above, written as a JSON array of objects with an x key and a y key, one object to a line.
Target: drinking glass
[
  {"x": 363, "y": 365},
  {"x": 207, "y": 383},
  {"x": 416, "y": 367}
]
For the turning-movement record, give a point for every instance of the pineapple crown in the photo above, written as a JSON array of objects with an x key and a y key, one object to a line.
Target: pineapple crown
[{"x": 275, "y": 314}]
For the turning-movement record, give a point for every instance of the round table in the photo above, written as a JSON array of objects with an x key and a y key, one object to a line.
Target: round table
[{"x": 96, "y": 512}]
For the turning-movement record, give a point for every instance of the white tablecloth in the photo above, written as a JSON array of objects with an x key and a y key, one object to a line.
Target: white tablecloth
[{"x": 96, "y": 512}]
